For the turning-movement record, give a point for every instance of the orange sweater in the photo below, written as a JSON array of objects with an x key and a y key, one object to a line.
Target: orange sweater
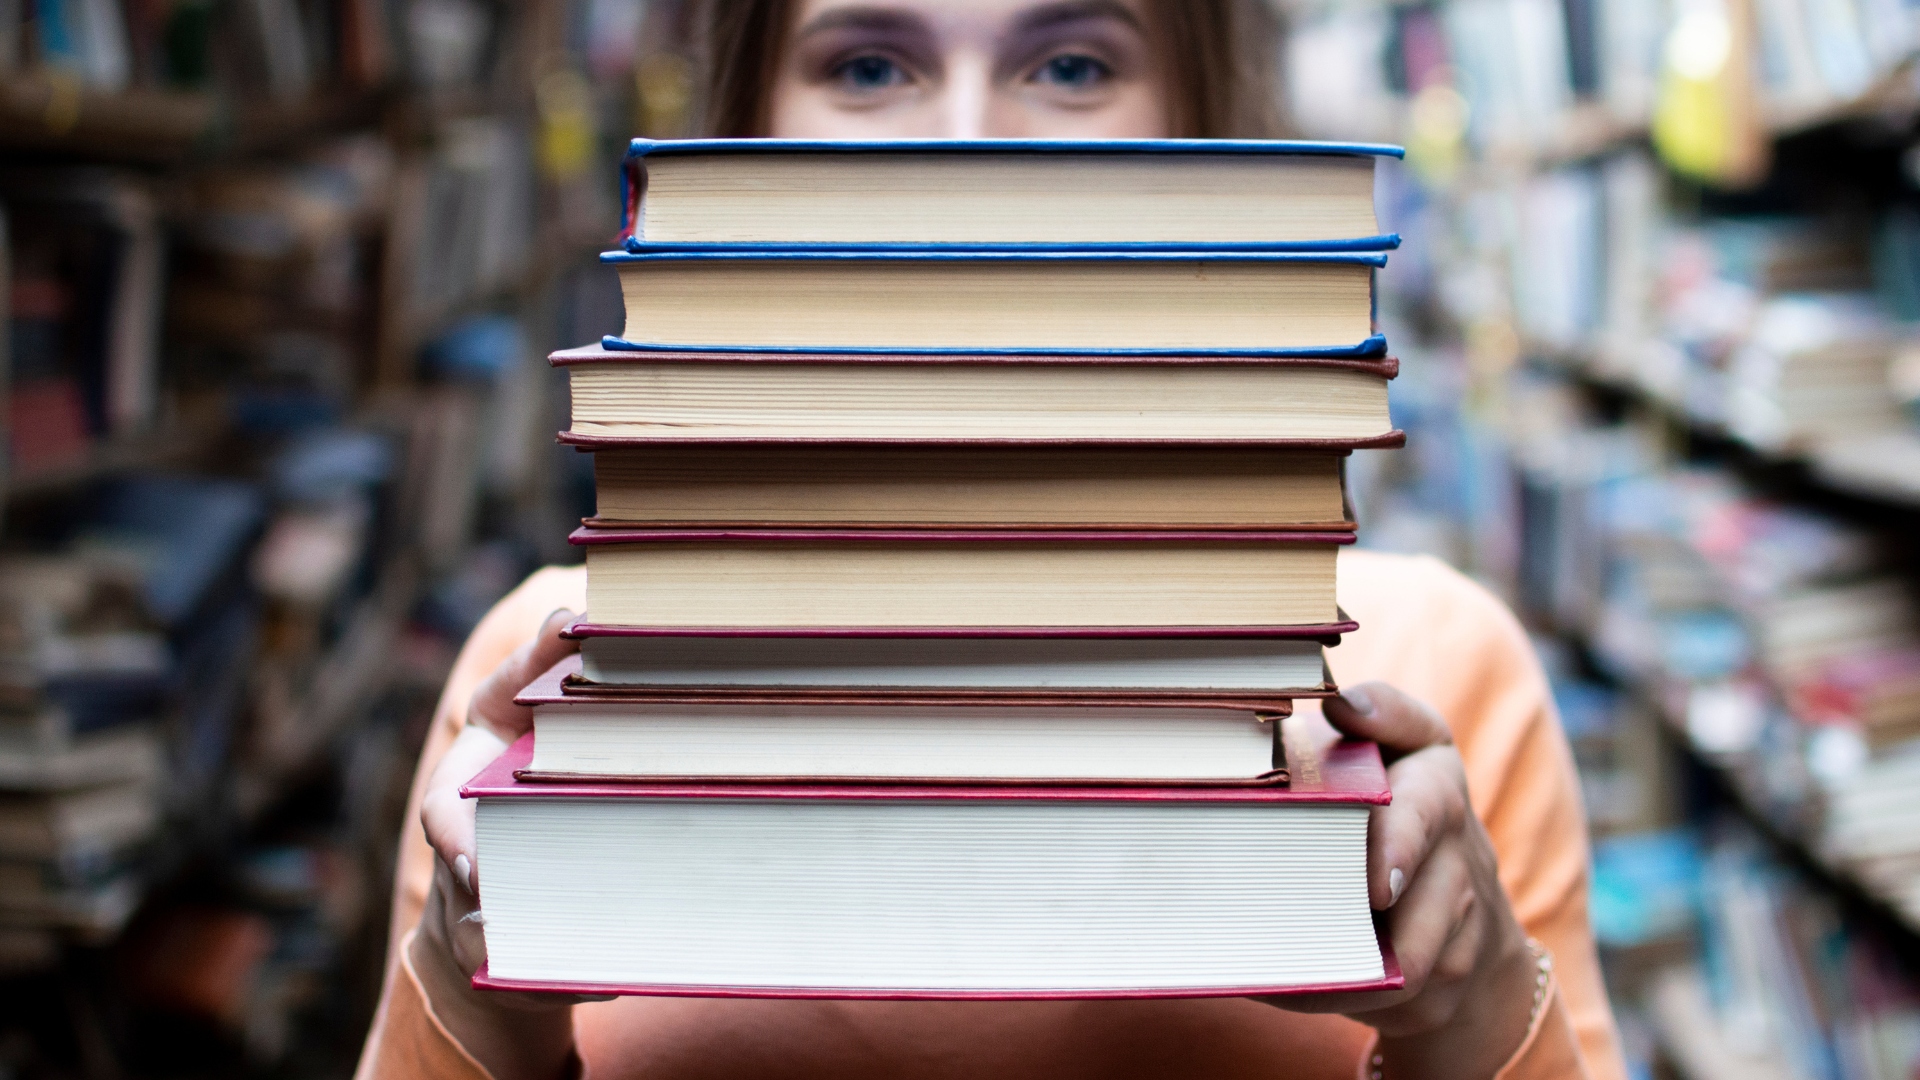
[{"x": 1424, "y": 628}]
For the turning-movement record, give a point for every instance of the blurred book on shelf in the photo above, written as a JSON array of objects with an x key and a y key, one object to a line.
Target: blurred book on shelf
[
  {"x": 1658, "y": 386},
  {"x": 280, "y": 276}
]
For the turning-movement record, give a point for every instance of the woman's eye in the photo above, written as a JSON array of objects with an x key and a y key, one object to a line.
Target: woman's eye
[
  {"x": 868, "y": 73},
  {"x": 1073, "y": 71}
]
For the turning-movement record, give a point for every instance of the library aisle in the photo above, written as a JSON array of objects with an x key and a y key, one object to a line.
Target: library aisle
[
  {"x": 1658, "y": 311},
  {"x": 282, "y": 276}
]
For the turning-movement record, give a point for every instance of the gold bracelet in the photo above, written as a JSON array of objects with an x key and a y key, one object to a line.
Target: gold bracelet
[{"x": 1542, "y": 976}]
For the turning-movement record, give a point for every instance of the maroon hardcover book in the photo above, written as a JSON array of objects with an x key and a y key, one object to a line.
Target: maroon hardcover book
[
  {"x": 1324, "y": 770},
  {"x": 563, "y": 687},
  {"x": 1325, "y": 633},
  {"x": 565, "y": 684},
  {"x": 1385, "y": 367}
]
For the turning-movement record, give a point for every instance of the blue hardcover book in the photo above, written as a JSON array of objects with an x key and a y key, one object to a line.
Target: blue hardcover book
[
  {"x": 975, "y": 303},
  {"x": 1144, "y": 195}
]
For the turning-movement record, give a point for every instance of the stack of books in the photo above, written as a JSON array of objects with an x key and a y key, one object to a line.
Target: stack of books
[{"x": 966, "y": 528}]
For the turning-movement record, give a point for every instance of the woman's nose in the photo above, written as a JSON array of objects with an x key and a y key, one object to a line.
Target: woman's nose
[{"x": 967, "y": 96}]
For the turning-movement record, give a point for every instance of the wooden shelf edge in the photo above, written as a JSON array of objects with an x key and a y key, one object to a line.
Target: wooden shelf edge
[
  {"x": 55, "y": 112},
  {"x": 160, "y": 450},
  {"x": 1843, "y": 467}
]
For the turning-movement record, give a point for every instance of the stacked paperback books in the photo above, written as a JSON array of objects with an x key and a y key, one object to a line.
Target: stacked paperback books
[{"x": 966, "y": 527}]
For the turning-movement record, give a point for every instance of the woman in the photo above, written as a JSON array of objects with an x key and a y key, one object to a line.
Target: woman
[{"x": 1478, "y": 865}]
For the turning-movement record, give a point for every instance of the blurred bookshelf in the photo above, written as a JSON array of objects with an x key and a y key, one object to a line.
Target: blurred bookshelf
[
  {"x": 281, "y": 278},
  {"x": 1657, "y": 310}
]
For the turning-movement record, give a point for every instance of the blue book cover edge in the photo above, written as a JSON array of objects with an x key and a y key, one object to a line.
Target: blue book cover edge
[
  {"x": 912, "y": 253},
  {"x": 1373, "y": 346},
  {"x": 1383, "y": 242},
  {"x": 644, "y": 147}
]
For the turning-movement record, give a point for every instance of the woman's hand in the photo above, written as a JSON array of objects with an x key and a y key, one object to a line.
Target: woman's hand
[
  {"x": 516, "y": 1036},
  {"x": 1470, "y": 973}
]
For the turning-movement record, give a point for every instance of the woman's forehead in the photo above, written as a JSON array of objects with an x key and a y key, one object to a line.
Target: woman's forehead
[{"x": 999, "y": 16}]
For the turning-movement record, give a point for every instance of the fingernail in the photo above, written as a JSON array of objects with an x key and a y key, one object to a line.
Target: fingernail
[
  {"x": 1396, "y": 883},
  {"x": 1359, "y": 700},
  {"x": 463, "y": 871}
]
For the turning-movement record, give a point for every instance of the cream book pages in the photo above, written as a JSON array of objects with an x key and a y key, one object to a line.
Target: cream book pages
[
  {"x": 1005, "y": 198},
  {"x": 929, "y": 896},
  {"x": 638, "y": 394},
  {"x": 977, "y": 583},
  {"x": 983, "y": 742},
  {"x": 1202, "y": 664},
  {"x": 1079, "y": 304}
]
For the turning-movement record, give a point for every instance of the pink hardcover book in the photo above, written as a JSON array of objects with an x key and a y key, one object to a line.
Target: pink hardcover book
[{"x": 889, "y": 891}]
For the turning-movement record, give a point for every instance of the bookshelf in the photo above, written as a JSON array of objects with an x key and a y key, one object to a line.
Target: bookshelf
[
  {"x": 46, "y": 112},
  {"x": 1571, "y": 444},
  {"x": 322, "y": 355}
]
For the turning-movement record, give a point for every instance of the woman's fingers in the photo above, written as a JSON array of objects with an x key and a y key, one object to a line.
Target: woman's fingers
[
  {"x": 492, "y": 706},
  {"x": 1433, "y": 910},
  {"x": 445, "y": 816},
  {"x": 1429, "y": 806},
  {"x": 1400, "y": 724},
  {"x": 459, "y": 921}
]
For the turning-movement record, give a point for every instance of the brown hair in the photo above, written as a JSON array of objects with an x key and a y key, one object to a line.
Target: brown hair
[{"x": 1219, "y": 57}]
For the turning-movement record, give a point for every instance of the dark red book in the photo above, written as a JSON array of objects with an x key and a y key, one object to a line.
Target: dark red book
[
  {"x": 947, "y": 488},
  {"x": 815, "y": 735},
  {"x": 1240, "y": 671},
  {"x": 935, "y": 891},
  {"x": 878, "y": 398}
]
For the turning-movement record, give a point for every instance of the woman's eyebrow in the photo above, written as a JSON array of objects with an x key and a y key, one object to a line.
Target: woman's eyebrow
[
  {"x": 879, "y": 19},
  {"x": 1048, "y": 16}
]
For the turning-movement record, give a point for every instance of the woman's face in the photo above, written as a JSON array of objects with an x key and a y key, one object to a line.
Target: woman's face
[{"x": 970, "y": 69}]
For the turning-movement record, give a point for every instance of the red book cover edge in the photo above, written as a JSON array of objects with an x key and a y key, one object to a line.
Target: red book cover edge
[
  {"x": 1325, "y": 633},
  {"x": 562, "y": 685},
  {"x": 1334, "y": 527},
  {"x": 1334, "y": 770},
  {"x": 1391, "y": 440},
  {"x": 585, "y": 536},
  {"x": 579, "y": 691}
]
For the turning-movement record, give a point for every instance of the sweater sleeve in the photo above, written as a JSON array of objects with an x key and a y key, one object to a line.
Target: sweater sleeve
[
  {"x": 1437, "y": 635},
  {"x": 1550, "y": 1051},
  {"x": 406, "y": 1040}
]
